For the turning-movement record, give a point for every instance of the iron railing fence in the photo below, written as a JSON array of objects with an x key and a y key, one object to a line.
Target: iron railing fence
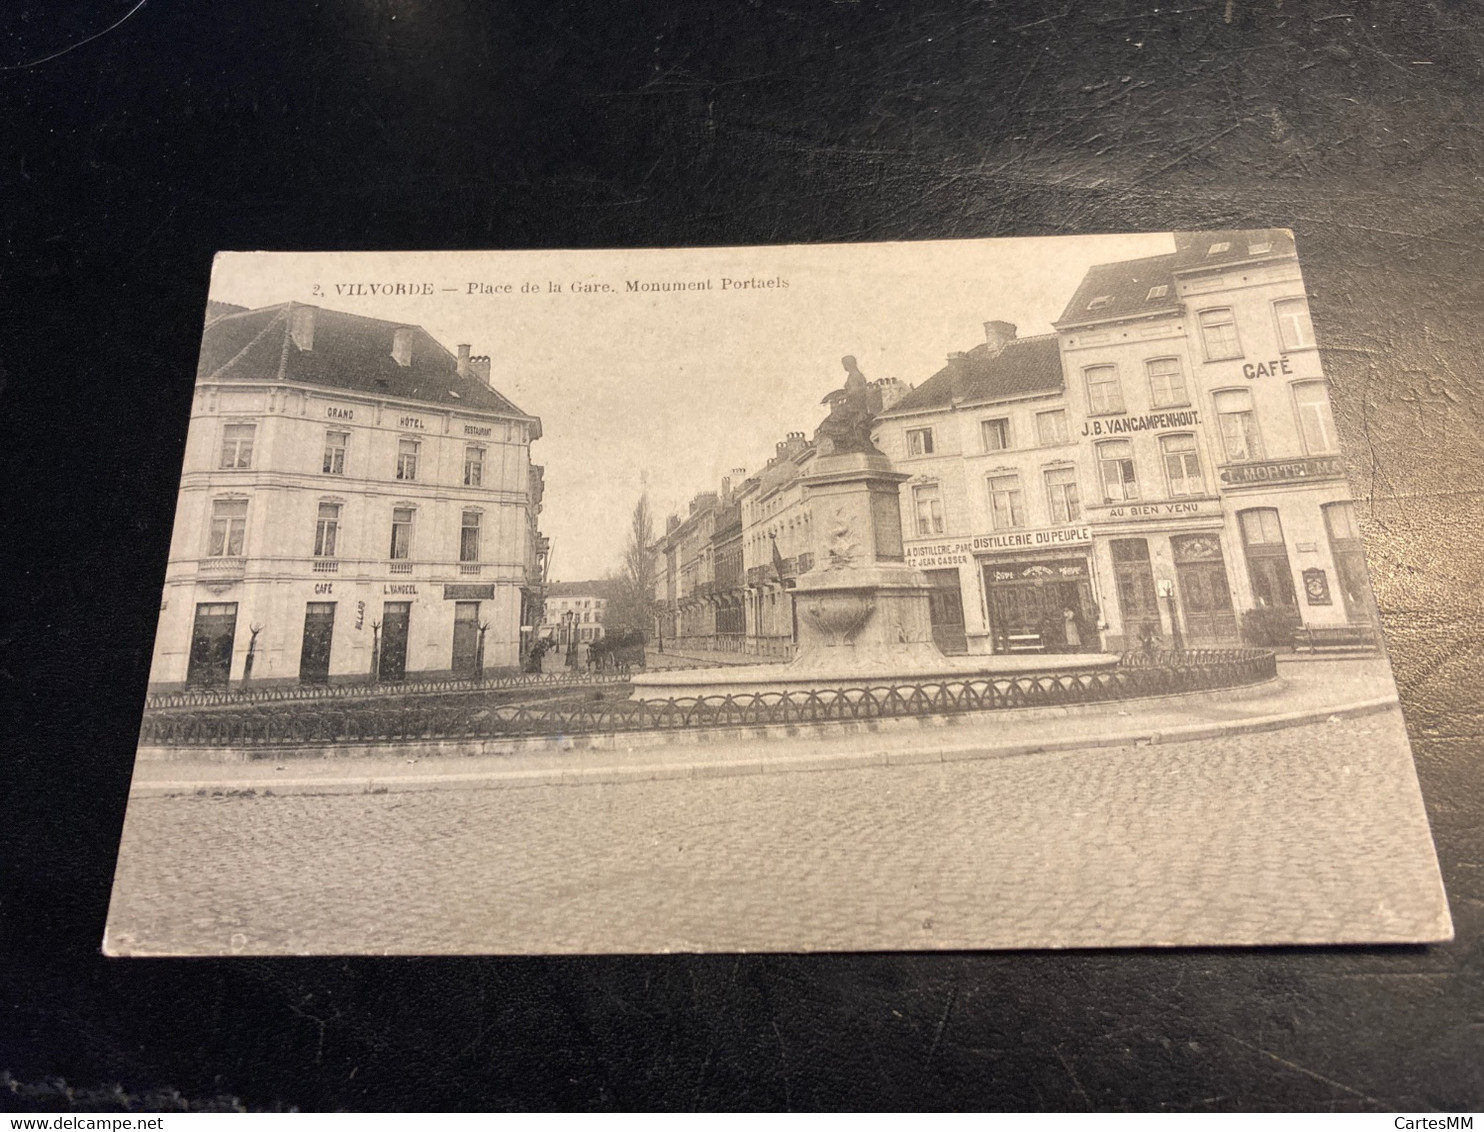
[
  {"x": 364, "y": 689},
  {"x": 468, "y": 719}
]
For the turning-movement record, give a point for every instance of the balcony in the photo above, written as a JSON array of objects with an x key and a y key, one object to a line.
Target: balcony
[
  {"x": 399, "y": 568},
  {"x": 326, "y": 566},
  {"x": 222, "y": 567},
  {"x": 469, "y": 569}
]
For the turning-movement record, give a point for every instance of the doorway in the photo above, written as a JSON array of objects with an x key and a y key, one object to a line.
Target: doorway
[
  {"x": 1267, "y": 562},
  {"x": 395, "y": 616},
  {"x": 1133, "y": 575},
  {"x": 319, "y": 628},
  {"x": 946, "y": 612},
  {"x": 466, "y": 639},
  {"x": 1030, "y": 603},
  {"x": 210, "y": 663},
  {"x": 1205, "y": 595}
]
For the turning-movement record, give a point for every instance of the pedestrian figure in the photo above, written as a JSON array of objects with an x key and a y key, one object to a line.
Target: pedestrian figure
[
  {"x": 1146, "y": 638},
  {"x": 1073, "y": 634}
]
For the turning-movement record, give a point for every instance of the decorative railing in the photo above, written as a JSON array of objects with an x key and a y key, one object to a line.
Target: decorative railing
[
  {"x": 229, "y": 565},
  {"x": 291, "y": 693},
  {"x": 472, "y": 718}
]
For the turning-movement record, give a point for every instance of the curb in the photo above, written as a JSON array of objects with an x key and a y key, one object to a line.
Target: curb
[{"x": 515, "y": 778}]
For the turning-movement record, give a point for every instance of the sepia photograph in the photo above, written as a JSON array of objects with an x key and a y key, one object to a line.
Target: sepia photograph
[{"x": 855, "y": 597}]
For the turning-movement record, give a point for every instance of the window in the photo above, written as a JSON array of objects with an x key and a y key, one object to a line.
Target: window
[
  {"x": 1260, "y": 527},
  {"x": 1260, "y": 249},
  {"x": 1295, "y": 331},
  {"x": 927, "y": 506},
  {"x": 407, "y": 459},
  {"x": 1116, "y": 460},
  {"x": 1340, "y": 519},
  {"x": 401, "y": 548},
  {"x": 919, "y": 441},
  {"x": 469, "y": 537},
  {"x": 1182, "y": 465},
  {"x": 1100, "y": 302},
  {"x": 1006, "y": 504},
  {"x": 1061, "y": 493},
  {"x": 1166, "y": 382},
  {"x": 237, "y": 445},
  {"x": 327, "y": 530},
  {"x": 1157, "y": 292},
  {"x": 1104, "y": 394},
  {"x": 1051, "y": 427},
  {"x": 1219, "y": 334},
  {"x": 334, "y": 462},
  {"x": 1316, "y": 423},
  {"x": 228, "y": 527},
  {"x": 1217, "y": 249},
  {"x": 995, "y": 434},
  {"x": 1238, "y": 426},
  {"x": 473, "y": 466}
]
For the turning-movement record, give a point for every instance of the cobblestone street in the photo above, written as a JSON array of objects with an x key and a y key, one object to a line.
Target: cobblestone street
[{"x": 1303, "y": 834}]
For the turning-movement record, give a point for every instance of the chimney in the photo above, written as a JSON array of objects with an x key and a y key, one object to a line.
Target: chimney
[
  {"x": 479, "y": 368},
  {"x": 671, "y": 523},
  {"x": 997, "y": 334},
  {"x": 402, "y": 345},
  {"x": 726, "y": 487},
  {"x": 301, "y": 327},
  {"x": 463, "y": 349}
]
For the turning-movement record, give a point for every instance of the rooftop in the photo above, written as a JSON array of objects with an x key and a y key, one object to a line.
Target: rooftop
[
  {"x": 1024, "y": 367},
  {"x": 1136, "y": 287},
  {"x": 341, "y": 351}
]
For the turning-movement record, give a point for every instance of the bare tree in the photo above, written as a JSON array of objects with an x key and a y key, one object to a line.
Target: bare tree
[{"x": 635, "y": 600}]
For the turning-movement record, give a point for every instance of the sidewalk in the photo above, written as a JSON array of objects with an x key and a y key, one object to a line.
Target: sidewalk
[{"x": 1305, "y": 692}]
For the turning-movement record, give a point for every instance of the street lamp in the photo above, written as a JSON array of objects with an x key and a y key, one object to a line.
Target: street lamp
[{"x": 570, "y": 617}]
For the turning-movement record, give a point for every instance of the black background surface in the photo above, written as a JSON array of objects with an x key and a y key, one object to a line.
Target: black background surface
[{"x": 375, "y": 124}]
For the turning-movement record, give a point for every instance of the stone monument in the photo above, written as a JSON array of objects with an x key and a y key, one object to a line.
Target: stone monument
[
  {"x": 861, "y": 607},
  {"x": 863, "y": 613}
]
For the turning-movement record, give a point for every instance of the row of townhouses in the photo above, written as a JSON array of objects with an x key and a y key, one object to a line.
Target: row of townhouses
[
  {"x": 1163, "y": 466},
  {"x": 356, "y": 503}
]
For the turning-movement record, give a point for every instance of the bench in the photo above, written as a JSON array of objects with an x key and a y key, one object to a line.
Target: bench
[
  {"x": 1024, "y": 642},
  {"x": 1350, "y": 638}
]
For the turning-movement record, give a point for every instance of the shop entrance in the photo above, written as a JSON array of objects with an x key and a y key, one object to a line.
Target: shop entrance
[
  {"x": 395, "y": 616},
  {"x": 946, "y": 612},
  {"x": 210, "y": 663},
  {"x": 1349, "y": 554},
  {"x": 466, "y": 639},
  {"x": 319, "y": 627},
  {"x": 1205, "y": 596},
  {"x": 1041, "y": 606},
  {"x": 1267, "y": 562},
  {"x": 1137, "y": 600}
]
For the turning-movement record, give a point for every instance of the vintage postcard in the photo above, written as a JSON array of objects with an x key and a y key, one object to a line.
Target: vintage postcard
[{"x": 972, "y": 594}]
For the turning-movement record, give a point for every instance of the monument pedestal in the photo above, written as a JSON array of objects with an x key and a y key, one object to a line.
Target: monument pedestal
[
  {"x": 861, "y": 607},
  {"x": 862, "y": 611}
]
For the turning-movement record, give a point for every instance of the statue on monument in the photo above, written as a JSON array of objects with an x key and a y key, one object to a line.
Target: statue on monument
[{"x": 853, "y": 408}]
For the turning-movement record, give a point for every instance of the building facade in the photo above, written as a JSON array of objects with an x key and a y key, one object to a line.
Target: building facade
[
  {"x": 356, "y": 503},
  {"x": 1165, "y": 467},
  {"x": 575, "y": 611}
]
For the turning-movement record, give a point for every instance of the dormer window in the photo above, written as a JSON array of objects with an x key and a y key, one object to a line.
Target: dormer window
[
  {"x": 1260, "y": 249},
  {"x": 1157, "y": 292},
  {"x": 1100, "y": 302},
  {"x": 1217, "y": 249}
]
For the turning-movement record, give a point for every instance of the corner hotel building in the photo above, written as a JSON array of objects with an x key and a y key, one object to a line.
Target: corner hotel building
[
  {"x": 1167, "y": 458},
  {"x": 356, "y": 502}
]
